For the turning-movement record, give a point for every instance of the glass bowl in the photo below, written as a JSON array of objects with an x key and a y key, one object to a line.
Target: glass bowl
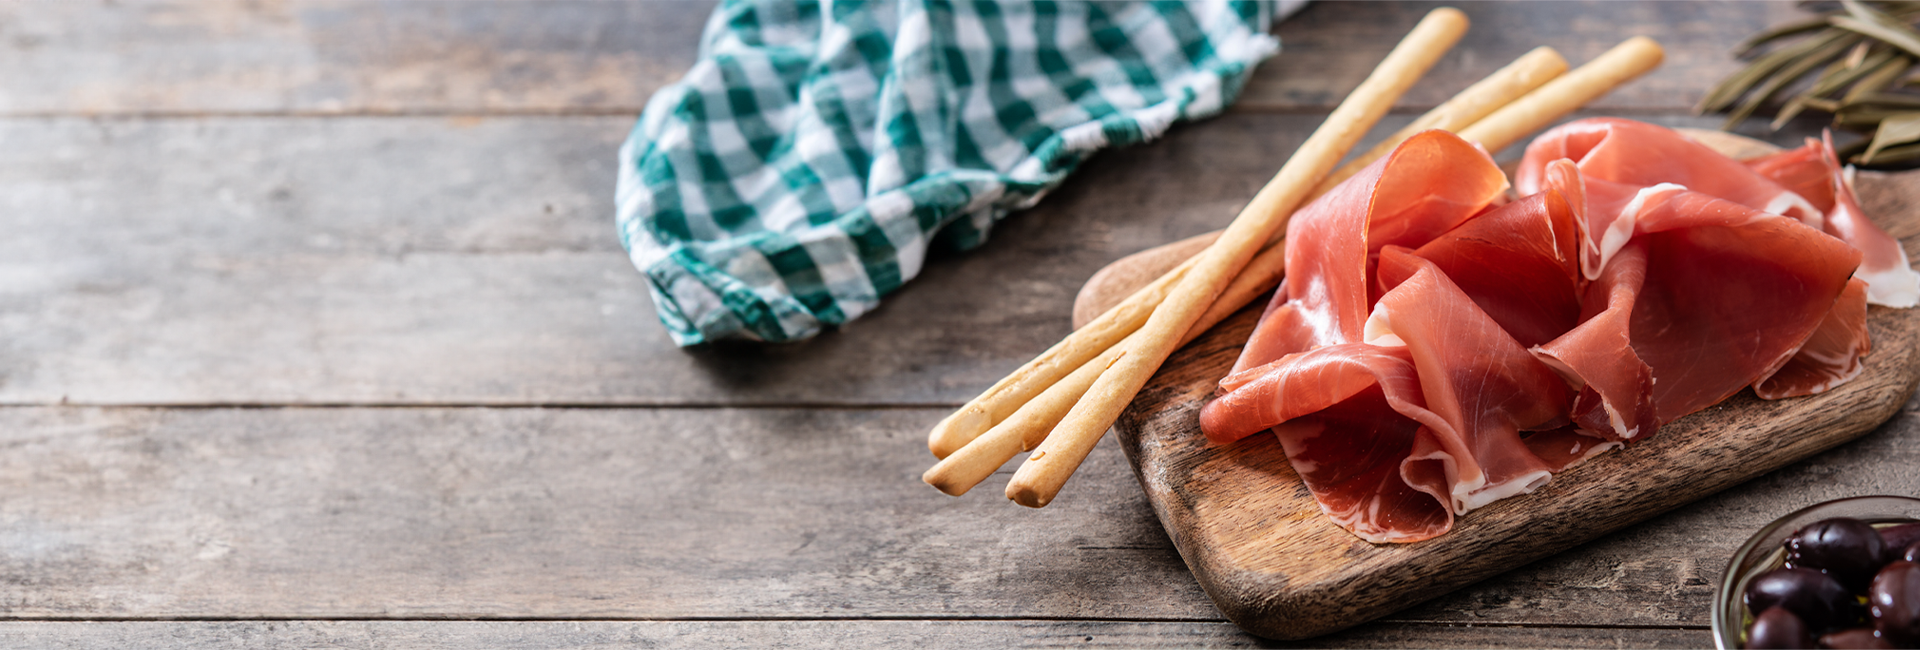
[{"x": 1766, "y": 550}]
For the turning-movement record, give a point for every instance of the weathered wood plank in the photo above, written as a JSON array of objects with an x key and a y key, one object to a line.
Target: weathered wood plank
[
  {"x": 697, "y": 513},
  {"x": 693, "y": 635},
  {"x": 1327, "y": 48},
  {"x": 319, "y": 56},
  {"x": 346, "y": 57},
  {"x": 459, "y": 513},
  {"x": 473, "y": 261}
]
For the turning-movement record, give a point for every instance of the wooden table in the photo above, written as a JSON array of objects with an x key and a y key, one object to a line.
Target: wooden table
[{"x": 314, "y": 330}]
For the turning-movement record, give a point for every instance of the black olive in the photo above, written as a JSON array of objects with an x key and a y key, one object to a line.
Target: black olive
[
  {"x": 1894, "y": 601},
  {"x": 1901, "y": 536},
  {"x": 1778, "y": 628},
  {"x": 1817, "y": 598},
  {"x": 1847, "y": 549},
  {"x": 1859, "y": 638}
]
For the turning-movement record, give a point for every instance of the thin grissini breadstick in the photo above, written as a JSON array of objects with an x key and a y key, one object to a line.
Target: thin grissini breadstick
[
  {"x": 1006, "y": 396},
  {"x": 1029, "y": 425},
  {"x": 1044, "y": 472},
  {"x": 1566, "y": 93},
  {"x": 1023, "y": 430},
  {"x": 1477, "y": 101}
]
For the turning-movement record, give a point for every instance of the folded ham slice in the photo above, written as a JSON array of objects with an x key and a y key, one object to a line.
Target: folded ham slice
[
  {"x": 1711, "y": 296},
  {"x": 1623, "y": 164},
  {"x": 1429, "y": 184},
  {"x": 1644, "y": 155},
  {"x": 1429, "y": 354},
  {"x": 1831, "y": 356},
  {"x": 1397, "y": 435},
  {"x": 1814, "y": 172},
  {"x": 1519, "y": 263}
]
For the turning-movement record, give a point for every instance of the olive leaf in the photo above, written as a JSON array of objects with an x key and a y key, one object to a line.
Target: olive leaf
[
  {"x": 1841, "y": 74},
  {"x": 1787, "y": 74},
  {"x": 1853, "y": 64},
  {"x": 1898, "y": 155},
  {"x": 1902, "y": 128},
  {"x": 1776, "y": 32},
  {"x": 1730, "y": 90}
]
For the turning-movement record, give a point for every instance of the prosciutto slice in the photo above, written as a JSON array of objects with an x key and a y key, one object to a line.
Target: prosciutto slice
[
  {"x": 1645, "y": 155},
  {"x": 1402, "y": 412},
  {"x": 1713, "y": 295},
  {"x": 1623, "y": 163},
  {"x": 1831, "y": 356},
  {"x": 1432, "y": 182},
  {"x": 1616, "y": 386},
  {"x": 1813, "y": 171},
  {"x": 1398, "y": 434},
  {"x": 1519, "y": 263}
]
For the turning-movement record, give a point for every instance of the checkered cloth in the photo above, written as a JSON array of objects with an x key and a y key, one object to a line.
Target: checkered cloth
[{"x": 804, "y": 166}]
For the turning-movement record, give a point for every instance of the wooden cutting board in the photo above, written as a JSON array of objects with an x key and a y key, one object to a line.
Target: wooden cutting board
[{"x": 1253, "y": 536}]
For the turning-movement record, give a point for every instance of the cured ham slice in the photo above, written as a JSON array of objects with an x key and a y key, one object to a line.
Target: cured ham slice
[
  {"x": 1831, "y": 356},
  {"x": 1710, "y": 296},
  {"x": 1616, "y": 387},
  {"x": 1397, "y": 436},
  {"x": 1623, "y": 162},
  {"x": 1813, "y": 171},
  {"x": 1429, "y": 184},
  {"x": 1644, "y": 155},
  {"x": 1732, "y": 293},
  {"x": 1480, "y": 382},
  {"x": 1518, "y": 262}
]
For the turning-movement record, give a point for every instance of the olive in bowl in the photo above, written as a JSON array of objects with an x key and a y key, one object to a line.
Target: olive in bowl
[{"x": 1833, "y": 575}]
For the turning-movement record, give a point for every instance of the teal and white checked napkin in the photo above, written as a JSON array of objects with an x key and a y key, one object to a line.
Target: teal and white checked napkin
[{"x": 804, "y": 166}]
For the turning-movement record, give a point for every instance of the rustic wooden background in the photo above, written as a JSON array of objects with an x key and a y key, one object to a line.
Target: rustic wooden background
[{"x": 314, "y": 331}]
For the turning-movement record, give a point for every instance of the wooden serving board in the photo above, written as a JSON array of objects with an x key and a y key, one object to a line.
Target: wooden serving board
[{"x": 1258, "y": 543}]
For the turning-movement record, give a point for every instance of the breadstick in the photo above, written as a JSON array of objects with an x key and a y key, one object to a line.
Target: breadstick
[
  {"x": 1023, "y": 430},
  {"x": 1477, "y": 101},
  {"x": 1007, "y": 395},
  {"x": 1042, "y": 475},
  {"x": 1631, "y": 58},
  {"x": 1029, "y": 425}
]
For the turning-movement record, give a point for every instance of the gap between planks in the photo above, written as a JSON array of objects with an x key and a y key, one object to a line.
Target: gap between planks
[
  {"x": 804, "y": 619},
  {"x": 562, "y": 405},
  {"x": 600, "y": 111}
]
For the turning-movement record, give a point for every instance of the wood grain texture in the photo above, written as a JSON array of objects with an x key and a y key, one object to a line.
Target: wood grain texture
[
  {"x": 547, "y": 513},
  {"x": 544, "y": 56},
  {"x": 1327, "y": 49},
  {"x": 321, "y": 57},
  {"x": 398, "y": 513},
  {"x": 1258, "y": 542},
  {"x": 696, "y": 635},
  {"x": 467, "y": 260}
]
